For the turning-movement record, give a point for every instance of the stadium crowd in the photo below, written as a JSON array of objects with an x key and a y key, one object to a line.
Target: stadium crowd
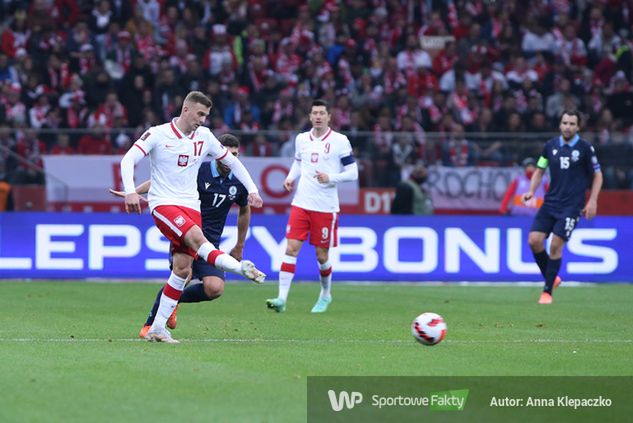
[{"x": 395, "y": 72}]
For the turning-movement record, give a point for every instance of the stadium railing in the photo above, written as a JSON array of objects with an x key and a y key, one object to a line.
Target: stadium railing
[{"x": 375, "y": 152}]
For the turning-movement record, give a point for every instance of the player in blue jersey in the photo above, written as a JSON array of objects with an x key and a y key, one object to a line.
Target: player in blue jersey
[
  {"x": 573, "y": 167},
  {"x": 218, "y": 190}
]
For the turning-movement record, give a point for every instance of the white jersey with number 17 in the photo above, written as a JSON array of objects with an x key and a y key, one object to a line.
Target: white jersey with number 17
[
  {"x": 174, "y": 162},
  {"x": 324, "y": 155}
]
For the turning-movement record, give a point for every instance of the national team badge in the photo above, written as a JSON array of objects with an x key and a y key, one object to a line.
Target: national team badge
[
  {"x": 575, "y": 155},
  {"x": 232, "y": 190},
  {"x": 183, "y": 159},
  {"x": 554, "y": 151},
  {"x": 314, "y": 158},
  {"x": 179, "y": 220}
]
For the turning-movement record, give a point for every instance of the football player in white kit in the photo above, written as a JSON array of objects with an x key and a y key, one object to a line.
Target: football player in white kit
[
  {"x": 176, "y": 150},
  {"x": 323, "y": 158}
]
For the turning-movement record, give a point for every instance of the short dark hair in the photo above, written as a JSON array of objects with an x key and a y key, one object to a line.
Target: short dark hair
[
  {"x": 229, "y": 140},
  {"x": 198, "y": 97},
  {"x": 320, "y": 102},
  {"x": 570, "y": 113}
]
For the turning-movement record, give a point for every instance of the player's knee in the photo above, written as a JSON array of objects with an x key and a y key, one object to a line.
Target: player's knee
[
  {"x": 556, "y": 248},
  {"x": 213, "y": 289},
  {"x": 535, "y": 242},
  {"x": 180, "y": 269},
  {"x": 293, "y": 247},
  {"x": 194, "y": 238},
  {"x": 322, "y": 256}
]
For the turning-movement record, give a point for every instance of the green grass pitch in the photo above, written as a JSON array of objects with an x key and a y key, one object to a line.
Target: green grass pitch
[{"x": 69, "y": 350}]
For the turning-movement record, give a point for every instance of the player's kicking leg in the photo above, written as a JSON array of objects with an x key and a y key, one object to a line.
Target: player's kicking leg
[{"x": 195, "y": 239}]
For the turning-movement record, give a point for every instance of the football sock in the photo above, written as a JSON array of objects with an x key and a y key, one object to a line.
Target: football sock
[
  {"x": 286, "y": 273},
  {"x": 169, "y": 300},
  {"x": 194, "y": 293},
  {"x": 552, "y": 271},
  {"x": 152, "y": 312},
  {"x": 218, "y": 259},
  {"x": 325, "y": 270},
  {"x": 542, "y": 260}
]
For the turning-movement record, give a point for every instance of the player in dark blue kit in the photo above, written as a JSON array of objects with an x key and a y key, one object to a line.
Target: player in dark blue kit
[
  {"x": 573, "y": 166},
  {"x": 218, "y": 190}
]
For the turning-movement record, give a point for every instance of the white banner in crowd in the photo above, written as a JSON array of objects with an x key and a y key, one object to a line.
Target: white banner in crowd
[
  {"x": 87, "y": 178},
  {"x": 469, "y": 188}
]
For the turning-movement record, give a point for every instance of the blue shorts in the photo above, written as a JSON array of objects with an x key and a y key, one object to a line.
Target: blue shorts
[
  {"x": 561, "y": 223},
  {"x": 200, "y": 269}
]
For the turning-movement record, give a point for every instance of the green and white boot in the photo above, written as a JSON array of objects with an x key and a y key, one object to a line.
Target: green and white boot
[
  {"x": 322, "y": 304},
  {"x": 277, "y": 304}
]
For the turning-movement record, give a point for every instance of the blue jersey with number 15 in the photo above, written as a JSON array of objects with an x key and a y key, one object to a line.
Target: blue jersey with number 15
[{"x": 571, "y": 167}]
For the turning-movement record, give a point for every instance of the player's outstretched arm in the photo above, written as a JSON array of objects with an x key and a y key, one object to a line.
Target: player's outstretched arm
[
  {"x": 141, "y": 189},
  {"x": 591, "y": 208}
]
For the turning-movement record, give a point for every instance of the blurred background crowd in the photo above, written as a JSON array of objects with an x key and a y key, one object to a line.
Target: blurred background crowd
[{"x": 455, "y": 83}]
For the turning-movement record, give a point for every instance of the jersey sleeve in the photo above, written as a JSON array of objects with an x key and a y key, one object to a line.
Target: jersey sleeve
[
  {"x": 543, "y": 161},
  {"x": 297, "y": 148},
  {"x": 147, "y": 141},
  {"x": 345, "y": 154},
  {"x": 591, "y": 161},
  {"x": 215, "y": 147},
  {"x": 242, "y": 199}
]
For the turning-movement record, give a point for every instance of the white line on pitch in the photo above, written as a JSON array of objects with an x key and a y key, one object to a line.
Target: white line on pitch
[{"x": 331, "y": 341}]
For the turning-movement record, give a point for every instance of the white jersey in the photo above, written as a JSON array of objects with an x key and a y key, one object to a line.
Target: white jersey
[
  {"x": 323, "y": 154},
  {"x": 175, "y": 159}
]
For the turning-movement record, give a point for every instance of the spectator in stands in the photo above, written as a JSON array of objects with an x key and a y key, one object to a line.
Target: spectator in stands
[
  {"x": 555, "y": 103},
  {"x": 411, "y": 197},
  {"x": 413, "y": 57},
  {"x": 458, "y": 151},
  {"x": 403, "y": 154},
  {"x": 537, "y": 39},
  {"x": 6, "y": 197},
  {"x": 62, "y": 145},
  {"x": 8, "y": 73},
  {"x": 538, "y": 123},
  {"x": 96, "y": 141},
  {"x": 31, "y": 149},
  {"x": 511, "y": 202},
  {"x": 235, "y": 110},
  {"x": 260, "y": 147}
]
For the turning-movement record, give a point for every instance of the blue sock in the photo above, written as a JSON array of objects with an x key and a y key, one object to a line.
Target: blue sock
[
  {"x": 552, "y": 271},
  {"x": 542, "y": 259},
  {"x": 194, "y": 293},
  {"x": 152, "y": 313}
]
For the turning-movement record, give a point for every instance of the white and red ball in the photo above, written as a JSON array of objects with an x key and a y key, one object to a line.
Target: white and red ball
[{"x": 428, "y": 328}]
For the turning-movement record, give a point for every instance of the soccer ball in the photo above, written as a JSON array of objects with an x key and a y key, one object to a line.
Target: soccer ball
[{"x": 428, "y": 328}]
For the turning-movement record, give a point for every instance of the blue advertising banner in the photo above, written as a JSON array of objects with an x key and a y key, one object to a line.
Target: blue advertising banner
[{"x": 372, "y": 248}]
